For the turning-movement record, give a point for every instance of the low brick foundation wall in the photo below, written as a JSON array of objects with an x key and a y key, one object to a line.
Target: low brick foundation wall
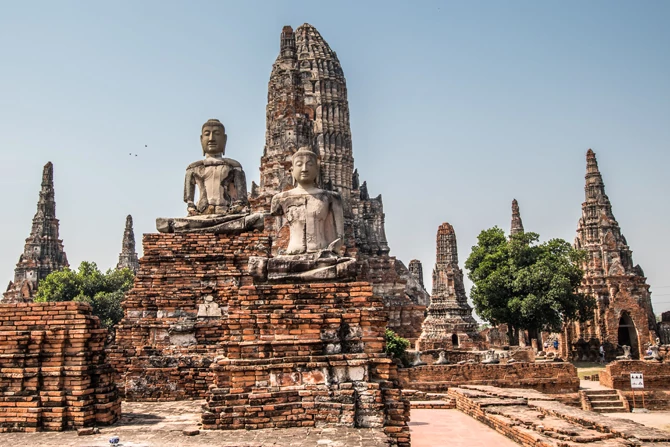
[
  {"x": 53, "y": 371},
  {"x": 617, "y": 374},
  {"x": 555, "y": 377},
  {"x": 653, "y": 400}
]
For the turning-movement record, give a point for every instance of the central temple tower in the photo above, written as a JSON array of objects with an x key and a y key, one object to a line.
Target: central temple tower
[{"x": 308, "y": 109}]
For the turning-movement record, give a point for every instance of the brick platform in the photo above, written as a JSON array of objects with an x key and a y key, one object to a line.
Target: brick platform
[
  {"x": 617, "y": 374},
  {"x": 53, "y": 372},
  {"x": 535, "y": 419},
  {"x": 267, "y": 355},
  {"x": 554, "y": 377}
]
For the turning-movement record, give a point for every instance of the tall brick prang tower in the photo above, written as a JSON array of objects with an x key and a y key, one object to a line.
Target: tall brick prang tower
[
  {"x": 449, "y": 323},
  {"x": 308, "y": 108},
  {"x": 517, "y": 224},
  {"x": 128, "y": 256},
  {"x": 43, "y": 252},
  {"x": 624, "y": 314}
]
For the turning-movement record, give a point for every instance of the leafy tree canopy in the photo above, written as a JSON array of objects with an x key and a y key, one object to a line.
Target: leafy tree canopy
[
  {"x": 103, "y": 291},
  {"x": 526, "y": 284}
]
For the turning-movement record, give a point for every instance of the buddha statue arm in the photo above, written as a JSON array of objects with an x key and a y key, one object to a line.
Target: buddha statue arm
[
  {"x": 189, "y": 190},
  {"x": 338, "y": 219},
  {"x": 240, "y": 183}
]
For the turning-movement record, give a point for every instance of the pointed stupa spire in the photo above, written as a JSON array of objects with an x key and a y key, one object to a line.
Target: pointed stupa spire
[
  {"x": 517, "y": 224},
  {"x": 449, "y": 320},
  {"x": 43, "y": 252},
  {"x": 128, "y": 256}
]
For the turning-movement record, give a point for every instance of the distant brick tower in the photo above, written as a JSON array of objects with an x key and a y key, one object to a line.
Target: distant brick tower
[
  {"x": 43, "y": 252},
  {"x": 517, "y": 224},
  {"x": 128, "y": 256},
  {"x": 449, "y": 323},
  {"x": 308, "y": 108},
  {"x": 624, "y": 314}
]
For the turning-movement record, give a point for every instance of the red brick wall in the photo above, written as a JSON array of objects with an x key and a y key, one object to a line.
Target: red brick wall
[
  {"x": 53, "y": 371},
  {"x": 617, "y": 374},
  {"x": 555, "y": 377}
]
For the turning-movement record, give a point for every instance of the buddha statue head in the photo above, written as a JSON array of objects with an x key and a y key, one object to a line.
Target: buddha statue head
[
  {"x": 213, "y": 138},
  {"x": 305, "y": 168}
]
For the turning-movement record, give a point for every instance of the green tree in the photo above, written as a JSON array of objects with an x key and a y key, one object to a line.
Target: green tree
[
  {"x": 525, "y": 284},
  {"x": 103, "y": 291},
  {"x": 395, "y": 344}
]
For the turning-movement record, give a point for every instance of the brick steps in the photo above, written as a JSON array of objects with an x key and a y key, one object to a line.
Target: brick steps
[{"x": 604, "y": 401}]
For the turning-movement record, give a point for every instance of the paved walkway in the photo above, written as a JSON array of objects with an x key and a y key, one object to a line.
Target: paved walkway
[
  {"x": 656, "y": 419},
  {"x": 439, "y": 428},
  {"x": 160, "y": 424},
  {"x": 591, "y": 385}
]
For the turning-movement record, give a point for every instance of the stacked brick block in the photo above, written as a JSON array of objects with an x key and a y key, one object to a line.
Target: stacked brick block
[
  {"x": 53, "y": 371},
  {"x": 265, "y": 355}
]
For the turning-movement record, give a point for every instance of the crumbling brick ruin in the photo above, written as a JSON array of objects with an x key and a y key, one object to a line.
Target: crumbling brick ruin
[
  {"x": 275, "y": 355},
  {"x": 128, "y": 256},
  {"x": 53, "y": 371},
  {"x": 449, "y": 323},
  {"x": 308, "y": 107},
  {"x": 43, "y": 252},
  {"x": 623, "y": 314}
]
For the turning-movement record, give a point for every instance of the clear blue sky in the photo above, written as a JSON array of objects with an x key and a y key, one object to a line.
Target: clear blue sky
[{"x": 456, "y": 109}]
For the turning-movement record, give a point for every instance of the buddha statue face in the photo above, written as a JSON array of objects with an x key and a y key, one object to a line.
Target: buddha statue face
[
  {"x": 305, "y": 168},
  {"x": 213, "y": 138}
]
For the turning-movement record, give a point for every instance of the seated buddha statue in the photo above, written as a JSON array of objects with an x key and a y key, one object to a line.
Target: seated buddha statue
[
  {"x": 222, "y": 205},
  {"x": 316, "y": 229}
]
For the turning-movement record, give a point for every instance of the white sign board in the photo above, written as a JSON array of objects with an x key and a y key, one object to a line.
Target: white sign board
[{"x": 636, "y": 380}]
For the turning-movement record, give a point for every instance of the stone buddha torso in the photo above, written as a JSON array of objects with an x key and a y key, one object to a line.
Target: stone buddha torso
[
  {"x": 311, "y": 218},
  {"x": 220, "y": 182}
]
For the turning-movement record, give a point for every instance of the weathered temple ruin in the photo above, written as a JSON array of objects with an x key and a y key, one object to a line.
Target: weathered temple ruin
[
  {"x": 517, "y": 224},
  {"x": 271, "y": 338},
  {"x": 308, "y": 108},
  {"x": 43, "y": 252},
  {"x": 623, "y": 314},
  {"x": 128, "y": 256},
  {"x": 449, "y": 323}
]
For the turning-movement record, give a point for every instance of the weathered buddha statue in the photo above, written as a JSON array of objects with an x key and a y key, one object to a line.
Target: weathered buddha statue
[
  {"x": 316, "y": 227},
  {"x": 222, "y": 205}
]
